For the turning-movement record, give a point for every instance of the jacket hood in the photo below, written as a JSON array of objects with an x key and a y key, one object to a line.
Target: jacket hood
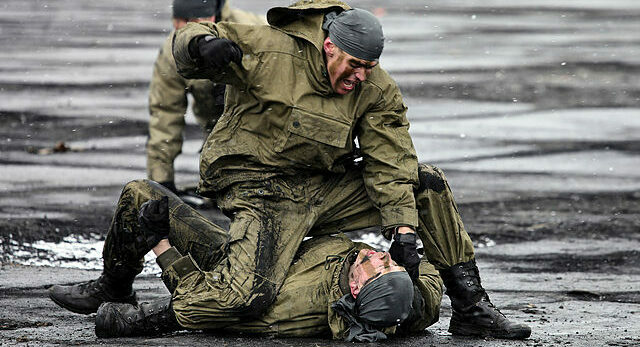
[{"x": 304, "y": 18}]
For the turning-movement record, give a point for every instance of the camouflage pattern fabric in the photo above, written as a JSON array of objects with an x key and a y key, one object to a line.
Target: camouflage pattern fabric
[
  {"x": 315, "y": 279},
  {"x": 282, "y": 117},
  {"x": 225, "y": 277}
]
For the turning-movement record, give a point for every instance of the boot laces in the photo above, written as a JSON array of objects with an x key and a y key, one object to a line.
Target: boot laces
[
  {"x": 491, "y": 305},
  {"x": 90, "y": 286}
]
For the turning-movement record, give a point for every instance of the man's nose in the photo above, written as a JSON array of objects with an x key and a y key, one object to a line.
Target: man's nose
[{"x": 360, "y": 74}]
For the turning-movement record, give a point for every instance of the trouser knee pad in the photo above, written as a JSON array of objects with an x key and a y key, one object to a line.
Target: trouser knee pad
[{"x": 432, "y": 178}]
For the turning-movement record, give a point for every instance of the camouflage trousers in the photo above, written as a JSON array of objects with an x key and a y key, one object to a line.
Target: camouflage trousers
[{"x": 243, "y": 268}]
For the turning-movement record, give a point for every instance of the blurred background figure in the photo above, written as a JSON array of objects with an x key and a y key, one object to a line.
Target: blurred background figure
[{"x": 168, "y": 92}]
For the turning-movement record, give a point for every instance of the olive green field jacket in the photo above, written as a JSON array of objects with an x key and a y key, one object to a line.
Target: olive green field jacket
[{"x": 281, "y": 115}]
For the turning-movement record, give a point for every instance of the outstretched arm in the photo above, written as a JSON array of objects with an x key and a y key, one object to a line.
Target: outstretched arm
[{"x": 213, "y": 51}]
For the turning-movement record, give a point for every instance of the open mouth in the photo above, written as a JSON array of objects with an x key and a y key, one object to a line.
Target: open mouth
[{"x": 348, "y": 85}]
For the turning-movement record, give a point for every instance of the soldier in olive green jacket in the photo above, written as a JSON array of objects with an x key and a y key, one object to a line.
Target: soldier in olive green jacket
[
  {"x": 168, "y": 90},
  {"x": 300, "y": 93}
]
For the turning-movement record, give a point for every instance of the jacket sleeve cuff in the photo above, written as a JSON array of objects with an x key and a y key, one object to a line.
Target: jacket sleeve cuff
[
  {"x": 175, "y": 267},
  {"x": 394, "y": 216},
  {"x": 186, "y": 65},
  {"x": 167, "y": 258}
]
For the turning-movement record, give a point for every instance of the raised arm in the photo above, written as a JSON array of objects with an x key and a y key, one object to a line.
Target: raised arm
[{"x": 214, "y": 51}]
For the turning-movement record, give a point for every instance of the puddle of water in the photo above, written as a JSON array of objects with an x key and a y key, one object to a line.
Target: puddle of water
[
  {"x": 589, "y": 124},
  {"x": 29, "y": 214},
  {"x": 595, "y": 164},
  {"x": 73, "y": 252},
  {"x": 567, "y": 246}
]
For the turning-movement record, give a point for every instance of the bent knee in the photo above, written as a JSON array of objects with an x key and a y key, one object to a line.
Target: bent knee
[
  {"x": 432, "y": 178},
  {"x": 259, "y": 300}
]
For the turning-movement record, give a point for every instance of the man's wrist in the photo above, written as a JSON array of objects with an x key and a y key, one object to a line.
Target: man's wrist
[
  {"x": 391, "y": 231},
  {"x": 403, "y": 230},
  {"x": 161, "y": 247}
]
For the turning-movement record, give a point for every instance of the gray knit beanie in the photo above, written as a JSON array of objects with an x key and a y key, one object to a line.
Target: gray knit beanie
[
  {"x": 196, "y": 8},
  {"x": 357, "y": 32}
]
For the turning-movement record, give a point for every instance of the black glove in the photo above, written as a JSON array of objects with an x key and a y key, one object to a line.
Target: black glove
[
  {"x": 403, "y": 251},
  {"x": 216, "y": 52},
  {"x": 154, "y": 221},
  {"x": 170, "y": 185}
]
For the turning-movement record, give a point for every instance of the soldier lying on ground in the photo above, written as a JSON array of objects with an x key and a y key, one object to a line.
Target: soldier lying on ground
[
  {"x": 333, "y": 286},
  {"x": 280, "y": 164},
  {"x": 168, "y": 90}
]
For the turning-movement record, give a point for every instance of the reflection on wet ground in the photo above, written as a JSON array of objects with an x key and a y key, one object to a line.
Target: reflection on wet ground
[
  {"x": 78, "y": 252},
  {"x": 81, "y": 252},
  {"x": 531, "y": 109}
]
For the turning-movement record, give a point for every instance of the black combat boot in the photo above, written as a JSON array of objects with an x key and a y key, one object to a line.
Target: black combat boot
[
  {"x": 86, "y": 297},
  {"x": 146, "y": 319},
  {"x": 473, "y": 313}
]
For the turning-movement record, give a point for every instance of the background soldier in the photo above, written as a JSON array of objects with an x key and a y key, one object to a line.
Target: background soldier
[{"x": 168, "y": 90}]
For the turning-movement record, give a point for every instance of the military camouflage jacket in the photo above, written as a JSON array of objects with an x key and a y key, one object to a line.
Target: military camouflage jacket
[
  {"x": 317, "y": 278},
  {"x": 168, "y": 104},
  {"x": 281, "y": 115}
]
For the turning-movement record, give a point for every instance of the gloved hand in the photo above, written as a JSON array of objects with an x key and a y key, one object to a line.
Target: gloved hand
[
  {"x": 403, "y": 251},
  {"x": 153, "y": 218},
  {"x": 216, "y": 52}
]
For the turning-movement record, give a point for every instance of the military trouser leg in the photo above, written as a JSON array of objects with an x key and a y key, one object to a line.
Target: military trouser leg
[
  {"x": 190, "y": 232},
  {"x": 269, "y": 220},
  {"x": 440, "y": 226}
]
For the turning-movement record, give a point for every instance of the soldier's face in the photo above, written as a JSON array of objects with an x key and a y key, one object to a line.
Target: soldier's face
[
  {"x": 345, "y": 70},
  {"x": 370, "y": 265}
]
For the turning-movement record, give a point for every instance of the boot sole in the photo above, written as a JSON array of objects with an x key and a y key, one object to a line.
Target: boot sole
[
  {"x": 472, "y": 330},
  {"x": 73, "y": 309},
  {"x": 131, "y": 300}
]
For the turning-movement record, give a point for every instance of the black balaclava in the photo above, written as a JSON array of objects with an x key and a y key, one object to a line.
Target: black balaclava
[
  {"x": 196, "y": 8},
  {"x": 357, "y": 32},
  {"x": 384, "y": 302}
]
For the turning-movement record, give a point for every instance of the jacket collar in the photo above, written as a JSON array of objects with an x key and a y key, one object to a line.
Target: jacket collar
[{"x": 343, "y": 280}]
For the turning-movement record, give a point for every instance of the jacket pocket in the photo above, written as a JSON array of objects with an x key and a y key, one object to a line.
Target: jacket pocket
[
  {"x": 239, "y": 228},
  {"x": 304, "y": 126}
]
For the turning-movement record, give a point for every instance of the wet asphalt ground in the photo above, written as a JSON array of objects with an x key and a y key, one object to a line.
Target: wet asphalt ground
[{"x": 532, "y": 109}]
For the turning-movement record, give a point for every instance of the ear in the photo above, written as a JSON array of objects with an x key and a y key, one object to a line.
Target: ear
[
  {"x": 355, "y": 289},
  {"x": 329, "y": 47}
]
